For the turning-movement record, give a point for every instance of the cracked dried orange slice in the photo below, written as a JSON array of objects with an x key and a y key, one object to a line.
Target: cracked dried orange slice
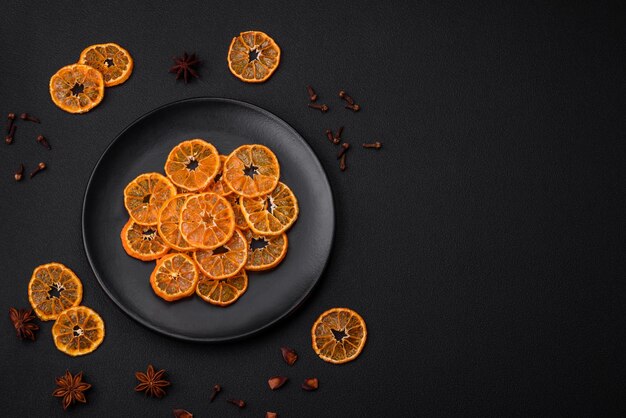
[
  {"x": 338, "y": 335},
  {"x": 265, "y": 252},
  {"x": 253, "y": 56},
  {"x": 52, "y": 289},
  {"x": 77, "y": 88},
  {"x": 222, "y": 292},
  {"x": 224, "y": 261},
  {"x": 169, "y": 223},
  {"x": 142, "y": 241},
  {"x": 207, "y": 221},
  {"x": 272, "y": 214},
  {"x": 113, "y": 61},
  {"x": 251, "y": 170},
  {"x": 174, "y": 277},
  {"x": 240, "y": 220},
  {"x": 145, "y": 195},
  {"x": 78, "y": 331},
  {"x": 192, "y": 164},
  {"x": 218, "y": 185}
]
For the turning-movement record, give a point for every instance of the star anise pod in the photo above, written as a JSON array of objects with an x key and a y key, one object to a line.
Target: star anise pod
[
  {"x": 152, "y": 382},
  {"x": 22, "y": 320},
  {"x": 186, "y": 65},
  {"x": 71, "y": 389}
]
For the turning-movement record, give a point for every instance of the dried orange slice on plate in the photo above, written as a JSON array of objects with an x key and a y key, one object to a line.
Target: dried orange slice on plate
[
  {"x": 192, "y": 164},
  {"x": 224, "y": 261},
  {"x": 222, "y": 292},
  {"x": 169, "y": 223},
  {"x": 218, "y": 185},
  {"x": 77, "y": 88},
  {"x": 145, "y": 195},
  {"x": 339, "y": 335},
  {"x": 174, "y": 277},
  {"x": 52, "y": 289},
  {"x": 143, "y": 241},
  {"x": 78, "y": 331},
  {"x": 272, "y": 214},
  {"x": 265, "y": 252},
  {"x": 113, "y": 61},
  {"x": 251, "y": 170},
  {"x": 207, "y": 220},
  {"x": 253, "y": 56}
]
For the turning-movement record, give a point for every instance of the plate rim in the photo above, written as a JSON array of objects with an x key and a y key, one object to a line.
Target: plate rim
[{"x": 176, "y": 335}]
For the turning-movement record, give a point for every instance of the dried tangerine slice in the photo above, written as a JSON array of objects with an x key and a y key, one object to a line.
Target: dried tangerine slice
[
  {"x": 253, "y": 56},
  {"x": 224, "y": 261},
  {"x": 52, "y": 289},
  {"x": 145, "y": 195},
  {"x": 218, "y": 185},
  {"x": 169, "y": 223},
  {"x": 207, "y": 221},
  {"x": 240, "y": 220},
  {"x": 338, "y": 335},
  {"x": 272, "y": 214},
  {"x": 113, "y": 61},
  {"x": 192, "y": 164},
  {"x": 77, "y": 88},
  {"x": 78, "y": 331},
  {"x": 174, "y": 277},
  {"x": 143, "y": 241},
  {"x": 265, "y": 252},
  {"x": 251, "y": 170},
  {"x": 222, "y": 292}
]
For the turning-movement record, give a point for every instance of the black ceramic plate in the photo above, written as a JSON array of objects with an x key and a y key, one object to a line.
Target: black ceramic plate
[{"x": 143, "y": 147}]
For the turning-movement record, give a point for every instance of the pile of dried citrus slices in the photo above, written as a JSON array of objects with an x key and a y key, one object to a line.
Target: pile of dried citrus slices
[
  {"x": 211, "y": 219},
  {"x": 78, "y": 88},
  {"x": 55, "y": 293}
]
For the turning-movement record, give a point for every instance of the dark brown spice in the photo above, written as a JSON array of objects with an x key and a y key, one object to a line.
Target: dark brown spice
[
  {"x": 22, "y": 320},
  {"x": 310, "y": 384},
  {"x": 345, "y": 97},
  {"x": 354, "y": 107},
  {"x": 9, "y": 138},
  {"x": 271, "y": 415},
  {"x": 216, "y": 389},
  {"x": 181, "y": 413},
  {"x": 43, "y": 141},
  {"x": 342, "y": 163},
  {"x": 376, "y": 145},
  {"x": 152, "y": 382},
  {"x": 312, "y": 94},
  {"x": 30, "y": 118},
  {"x": 276, "y": 382},
  {"x": 337, "y": 137},
  {"x": 329, "y": 135},
  {"x": 71, "y": 389},
  {"x": 323, "y": 108},
  {"x": 10, "y": 121},
  {"x": 289, "y": 355},
  {"x": 40, "y": 167},
  {"x": 344, "y": 147},
  {"x": 186, "y": 65},
  {"x": 19, "y": 173},
  {"x": 237, "y": 402}
]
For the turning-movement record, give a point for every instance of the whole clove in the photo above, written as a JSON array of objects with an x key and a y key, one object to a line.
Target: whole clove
[
  {"x": 344, "y": 147},
  {"x": 43, "y": 141},
  {"x": 237, "y": 402},
  {"x": 216, "y": 389}
]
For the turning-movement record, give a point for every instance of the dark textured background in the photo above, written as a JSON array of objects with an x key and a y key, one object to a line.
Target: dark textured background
[{"x": 484, "y": 245}]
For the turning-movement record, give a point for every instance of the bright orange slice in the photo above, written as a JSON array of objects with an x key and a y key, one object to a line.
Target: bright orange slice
[
  {"x": 240, "y": 220},
  {"x": 339, "y": 335},
  {"x": 224, "y": 261},
  {"x": 192, "y": 164},
  {"x": 253, "y": 56},
  {"x": 78, "y": 331},
  {"x": 218, "y": 185},
  {"x": 145, "y": 195},
  {"x": 251, "y": 170},
  {"x": 207, "y": 221},
  {"x": 169, "y": 223},
  {"x": 113, "y": 61},
  {"x": 265, "y": 252},
  {"x": 52, "y": 289},
  {"x": 272, "y": 214},
  {"x": 143, "y": 241},
  {"x": 77, "y": 88},
  {"x": 174, "y": 277},
  {"x": 222, "y": 292}
]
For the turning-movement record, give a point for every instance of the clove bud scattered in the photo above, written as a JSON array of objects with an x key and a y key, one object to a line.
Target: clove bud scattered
[
  {"x": 344, "y": 148},
  {"x": 342, "y": 163},
  {"x": 216, "y": 389},
  {"x": 237, "y": 402},
  {"x": 9, "y": 138},
  {"x": 310, "y": 384},
  {"x": 312, "y": 94},
  {"x": 19, "y": 173},
  {"x": 289, "y": 355},
  {"x": 40, "y": 167},
  {"x": 43, "y": 141},
  {"x": 10, "y": 121},
  {"x": 337, "y": 137},
  {"x": 31, "y": 118},
  {"x": 276, "y": 382},
  {"x": 376, "y": 145},
  {"x": 345, "y": 97},
  {"x": 354, "y": 107},
  {"x": 323, "y": 108}
]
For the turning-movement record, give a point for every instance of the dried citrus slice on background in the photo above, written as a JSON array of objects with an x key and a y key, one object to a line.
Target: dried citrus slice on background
[
  {"x": 224, "y": 261},
  {"x": 174, "y": 277},
  {"x": 52, "y": 289},
  {"x": 207, "y": 220},
  {"x": 222, "y": 292},
  {"x": 145, "y": 195},
  {"x": 339, "y": 335},
  {"x": 251, "y": 170},
  {"x": 113, "y": 61},
  {"x": 272, "y": 214},
  {"x": 265, "y": 252},
  {"x": 218, "y": 185},
  {"x": 253, "y": 56},
  {"x": 143, "y": 241},
  {"x": 192, "y": 164},
  {"x": 78, "y": 331},
  {"x": 77, "y": 88},
  {"x": 169, "y": 223},
  {"x": 240, "y": 220}
]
